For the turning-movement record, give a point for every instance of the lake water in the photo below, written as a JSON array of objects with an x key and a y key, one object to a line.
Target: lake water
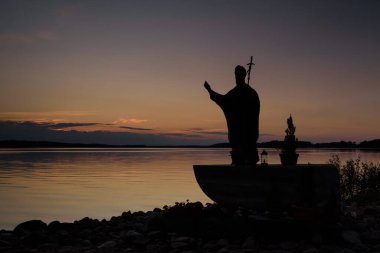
[{"x": 69, "y": 184}]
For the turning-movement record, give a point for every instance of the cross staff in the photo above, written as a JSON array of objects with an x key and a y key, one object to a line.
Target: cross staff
[{"x": 249, "y": 69}]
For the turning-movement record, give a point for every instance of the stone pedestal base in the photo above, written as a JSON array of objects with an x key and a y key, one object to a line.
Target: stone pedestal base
[{"x": 311, "y": 191}]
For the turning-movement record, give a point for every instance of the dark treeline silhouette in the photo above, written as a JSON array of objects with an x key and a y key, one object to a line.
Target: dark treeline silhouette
[
  {"x": 49, "y": 144},
  {"x": 370, "y": 144},
  {"x": 373, "y": 144}
]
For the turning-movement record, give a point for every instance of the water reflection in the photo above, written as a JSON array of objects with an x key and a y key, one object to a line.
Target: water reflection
[{"x": 68, "y": 184}]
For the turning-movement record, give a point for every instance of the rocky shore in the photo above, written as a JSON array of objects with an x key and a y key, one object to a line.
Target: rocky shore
[{"x": 193, "y": 227}]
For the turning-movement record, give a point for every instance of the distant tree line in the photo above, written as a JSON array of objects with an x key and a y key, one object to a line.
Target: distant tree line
[
  {"x": 49, "y": 144},
  {"x": 373, "y": 144}
]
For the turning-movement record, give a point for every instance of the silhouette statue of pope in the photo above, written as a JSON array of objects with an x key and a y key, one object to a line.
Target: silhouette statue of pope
[{"x": 241, "y": 107}]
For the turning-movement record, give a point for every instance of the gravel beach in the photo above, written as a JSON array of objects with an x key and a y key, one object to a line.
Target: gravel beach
[{"x": 193, "y": 227}]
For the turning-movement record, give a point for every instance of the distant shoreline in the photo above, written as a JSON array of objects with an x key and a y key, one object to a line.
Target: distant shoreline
[{"x": 370, "y": 145}]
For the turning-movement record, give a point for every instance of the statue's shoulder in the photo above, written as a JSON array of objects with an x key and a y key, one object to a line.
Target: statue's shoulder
[
  {"x": 233, "y": 91},
  {"x": 254, "y": 95},
  {"x": 251, "y": 90}
]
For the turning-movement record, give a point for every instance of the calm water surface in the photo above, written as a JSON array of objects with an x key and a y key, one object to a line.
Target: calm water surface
[{"x": 69, "y": 184}]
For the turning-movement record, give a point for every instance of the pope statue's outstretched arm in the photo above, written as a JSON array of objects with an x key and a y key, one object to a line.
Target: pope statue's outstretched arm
[{"x": 214, "y": 96}]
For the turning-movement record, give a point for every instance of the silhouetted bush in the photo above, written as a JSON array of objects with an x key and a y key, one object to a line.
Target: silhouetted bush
[{"x": 359, "y": 181}]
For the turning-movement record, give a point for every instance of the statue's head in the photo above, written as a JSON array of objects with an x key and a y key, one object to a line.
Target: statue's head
[{"x": 240, "y": 73}]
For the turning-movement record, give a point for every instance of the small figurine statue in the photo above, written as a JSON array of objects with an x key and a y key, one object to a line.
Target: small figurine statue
[
  {"x": 264, "y": 157},
  {"x": 288, "y": 153}
]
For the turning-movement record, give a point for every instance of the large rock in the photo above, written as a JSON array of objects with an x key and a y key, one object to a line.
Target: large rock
[
  {"x": 249, "y": 243},
  {"x": 107, "y": 245},
  {"x": 179, "y": 245},
  {"x": 351, "y": 237},
  {"x": 372, "y": 237},
  {"x": 311, "y": 250},
  {"x": 131, "y": 234},
  {"x": 31, "y": 226}
]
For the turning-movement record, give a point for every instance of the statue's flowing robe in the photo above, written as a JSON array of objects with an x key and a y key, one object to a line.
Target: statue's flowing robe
[{"x": 241, "y": 107}]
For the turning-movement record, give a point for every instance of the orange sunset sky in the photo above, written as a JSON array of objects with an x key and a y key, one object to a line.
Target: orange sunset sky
[{"x": 132, "y": 72}]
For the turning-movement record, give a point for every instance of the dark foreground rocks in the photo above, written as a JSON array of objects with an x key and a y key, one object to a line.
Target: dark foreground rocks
[{"x": 192, "y": 227}]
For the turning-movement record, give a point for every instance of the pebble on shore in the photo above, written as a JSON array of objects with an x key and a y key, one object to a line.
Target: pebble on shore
[{"x": 193, "y": 227}]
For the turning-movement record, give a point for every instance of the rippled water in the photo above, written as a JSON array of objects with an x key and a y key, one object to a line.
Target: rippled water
[{"x": 69, "y": 184}]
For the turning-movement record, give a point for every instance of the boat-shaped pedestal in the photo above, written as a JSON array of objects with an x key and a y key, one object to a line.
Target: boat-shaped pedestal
[{"x": 301, "y": 190}]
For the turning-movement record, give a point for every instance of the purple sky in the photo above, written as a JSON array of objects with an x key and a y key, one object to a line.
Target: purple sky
[{"x": 132, "y": 72}]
